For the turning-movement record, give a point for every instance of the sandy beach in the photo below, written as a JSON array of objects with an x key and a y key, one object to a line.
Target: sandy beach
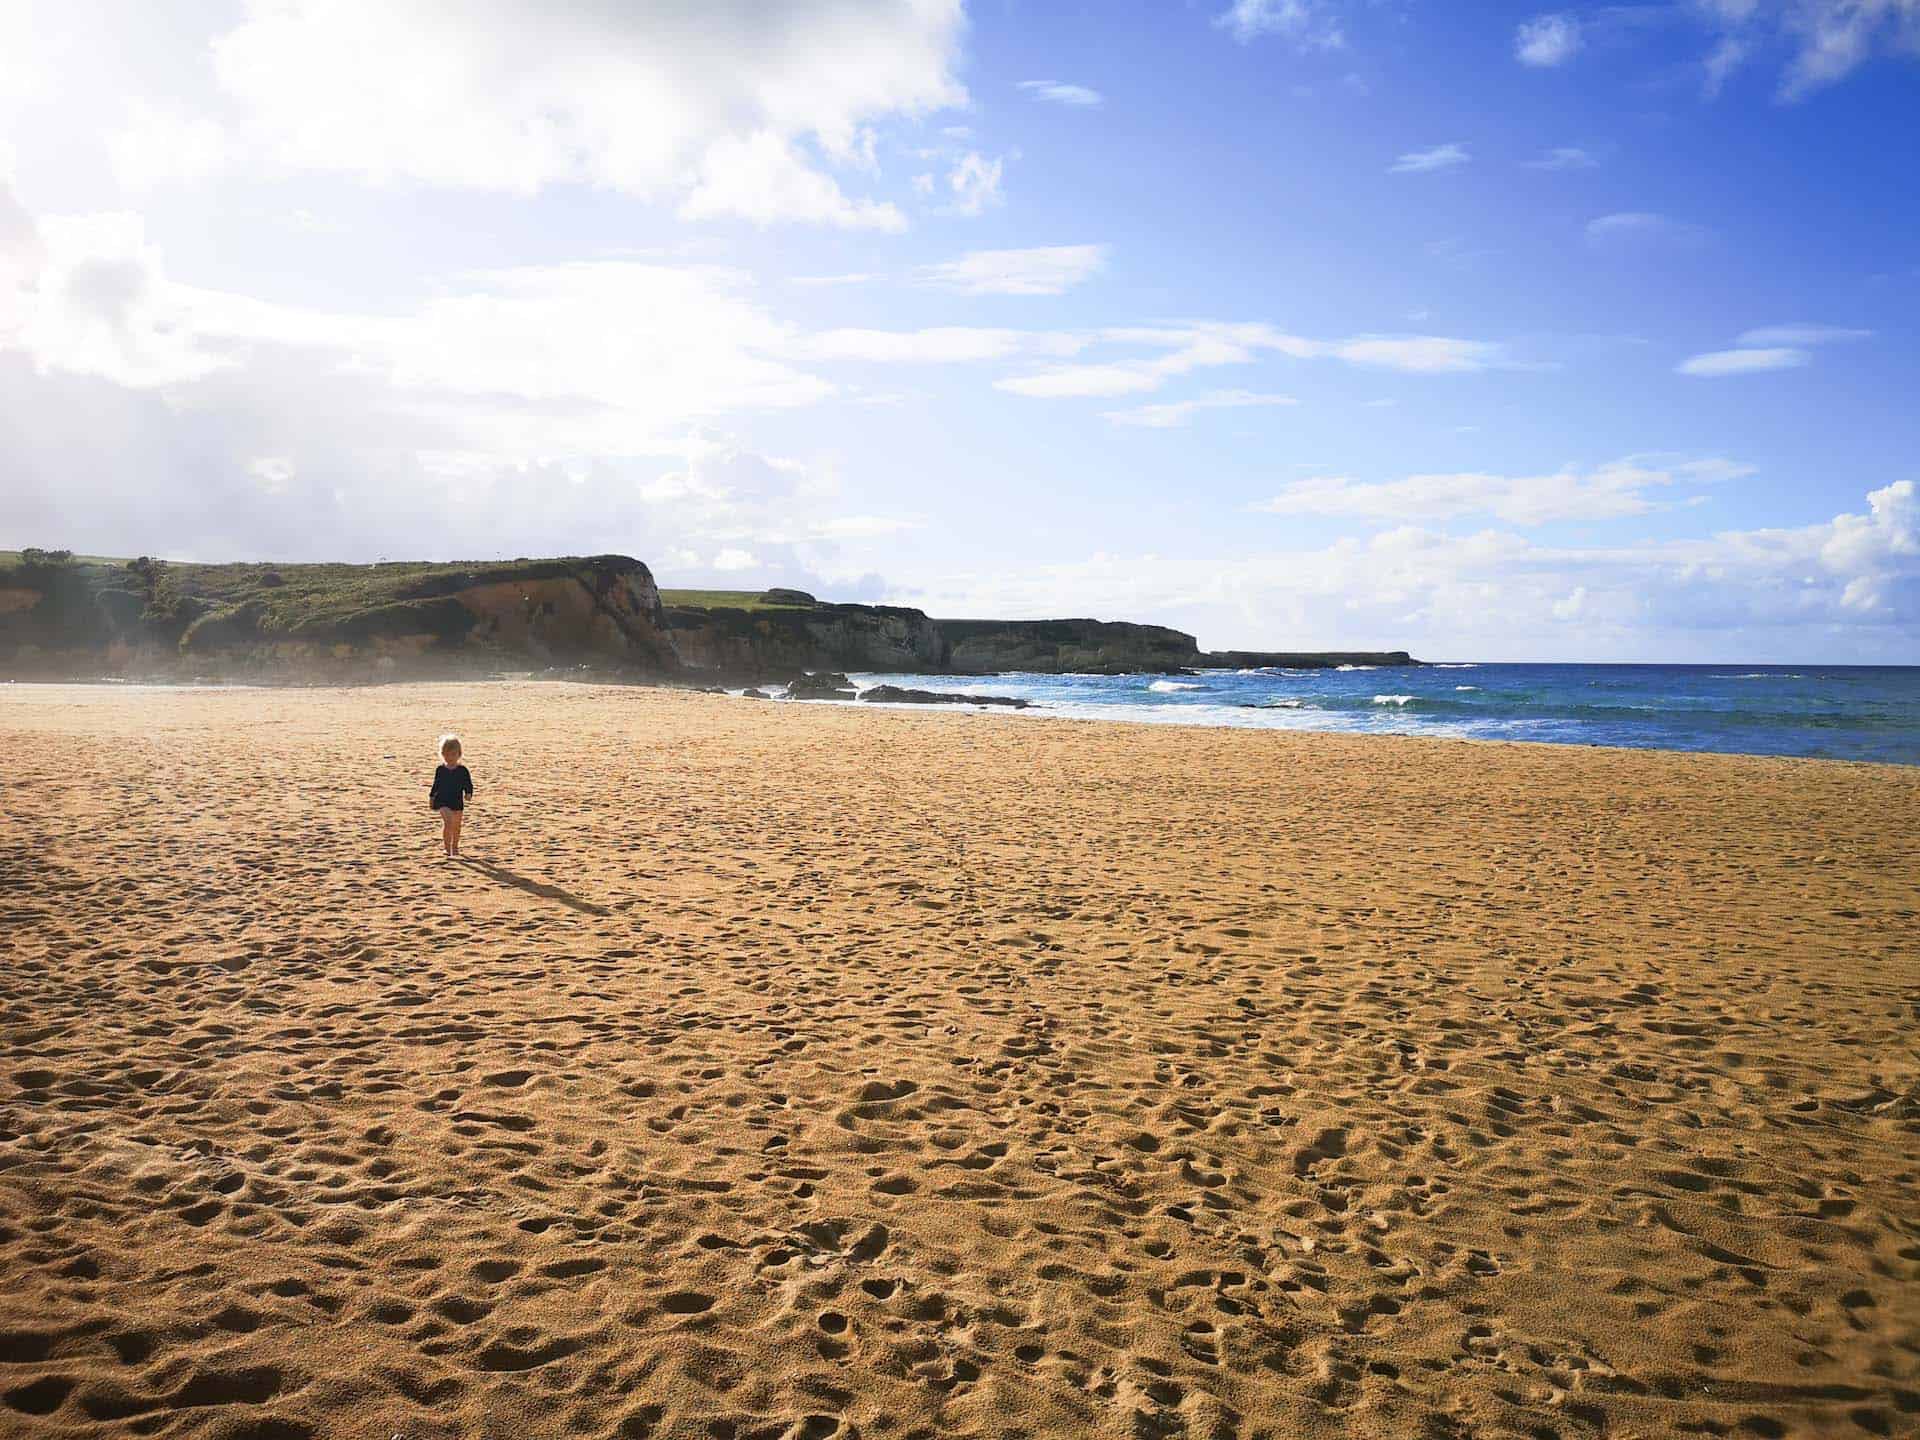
[{"x": 803, "y": 1071}]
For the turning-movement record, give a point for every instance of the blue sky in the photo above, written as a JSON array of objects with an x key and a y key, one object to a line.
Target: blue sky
[{"x": 1488, "y": 331}]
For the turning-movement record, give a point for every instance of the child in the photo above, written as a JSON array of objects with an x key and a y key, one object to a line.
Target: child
[{"x": 451, "y": 787}]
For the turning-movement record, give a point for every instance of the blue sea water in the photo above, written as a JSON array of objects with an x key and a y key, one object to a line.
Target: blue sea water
[{"x": 1832, "y": 712}]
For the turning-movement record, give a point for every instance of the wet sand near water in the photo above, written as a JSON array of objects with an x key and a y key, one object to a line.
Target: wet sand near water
[{"x": 808, "y": 1071}]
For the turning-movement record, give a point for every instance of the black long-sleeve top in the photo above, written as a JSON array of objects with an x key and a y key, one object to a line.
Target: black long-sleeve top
[{"x": 451, "y": 786}]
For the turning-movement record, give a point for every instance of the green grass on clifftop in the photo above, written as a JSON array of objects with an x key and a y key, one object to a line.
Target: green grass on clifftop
[{"x": 725, "y": 600}]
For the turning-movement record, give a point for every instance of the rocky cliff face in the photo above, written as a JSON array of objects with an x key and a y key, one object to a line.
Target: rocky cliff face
[
  {"x": 786, "y": 638},
  {"x": 340, "y": 622},
  {"x": 1097, "y": 647}
]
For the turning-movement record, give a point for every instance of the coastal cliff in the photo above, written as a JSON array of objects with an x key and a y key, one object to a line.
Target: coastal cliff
[
  {"x": 778, "y": 634},
  {"x": 61, "y": 616},
  {"x": 1081, "y": 647},
  {"x": 67, "y": 617}
]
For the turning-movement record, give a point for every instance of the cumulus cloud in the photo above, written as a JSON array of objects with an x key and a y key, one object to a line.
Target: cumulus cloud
[
  {"x": 610, "y": 357},
  {"x": 1421, "y": 162},
  {"x": 1043, "y": 270},
  {"x": 764, "y": 179},
  {"x": 1305, "y": 23},
  {"x": 89, "y": 296},
  {"x": 1061, "y": 93},
  {"x": 1547, "y": 40},
  {"x": 1177, "y": 413},
  {"x": 975, "y": 183},
  {"x": 724, "y": 107},
  {"x": 1744, "y": 362},
  {"x": 1622, "y": 487}
]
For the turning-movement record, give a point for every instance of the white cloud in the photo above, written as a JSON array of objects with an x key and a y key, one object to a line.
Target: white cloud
[
  {"x": 1421, "y": 162},
  {"x": 1610, "y": 491},
  {"x": 865, "y": 527},
  {"x": 1827, "y": 39},
  {"x": 1178, "y": 413},
  {"x": 1183, "y": 349},
  {"x": 726, "y": 107},
  {"x": 975, "y": 183},
  {"x": 1547, "y": 40},
  {"x": 160, "y": 145},
  {"x": 763, "y": 178},
  {"x": 1085, "y": 381},
  {"x": 1563, "y": 157},
  {"x": 1061, "y": 93},
  {"x": 526, "y": 363},
  {"x": 1421, "y": 354},
  {"x": 90, "y": 297},
  {"x": 1303, "y": 22},
  {"x": 1214, "y": 343},
  {"x": 1044, "y": 270},
  {"x": 1801, "y": 335},
  {"x": 1721, "y": 62},
  {"x": 939, "y": 345},
  {"x": 732, "y": 558},
  {"x": 1643, "y": 227},
  {"x": 1770, "y": 347},
  {"x": 1744, "y": 362},
  {"x": 274, "y": 472}
]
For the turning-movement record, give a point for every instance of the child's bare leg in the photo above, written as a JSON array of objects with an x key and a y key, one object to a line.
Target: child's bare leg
[{"x": 454, "y": 818}]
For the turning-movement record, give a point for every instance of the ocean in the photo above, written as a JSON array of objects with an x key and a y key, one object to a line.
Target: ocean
[{"x": 1827, "y": 711}]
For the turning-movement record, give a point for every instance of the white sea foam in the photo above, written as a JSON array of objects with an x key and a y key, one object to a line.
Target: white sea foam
[
  {"x": 1168, "y": 686},
  {"x": 1466, "y": 687},
  {"x": 1356, "y": 667},
  {"x": 1392, "y": 699},
  {"x": 1456, "y": 664},
  {"x": 1762, "y": 675}
]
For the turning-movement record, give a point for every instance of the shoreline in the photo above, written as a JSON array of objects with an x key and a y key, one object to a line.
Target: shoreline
[{"x": 1036, "y": 711}]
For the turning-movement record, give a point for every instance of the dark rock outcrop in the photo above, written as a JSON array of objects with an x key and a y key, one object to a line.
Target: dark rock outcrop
[
  {"x": 1300, "y": 659},
  {"x": 900, "y": 695},
  {"x": 822, "y": 685}
]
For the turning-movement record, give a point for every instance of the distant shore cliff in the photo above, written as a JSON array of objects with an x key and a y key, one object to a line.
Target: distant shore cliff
[{"x": 82, "y": 617}]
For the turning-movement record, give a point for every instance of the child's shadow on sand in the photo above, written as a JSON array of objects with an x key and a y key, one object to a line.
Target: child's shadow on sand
[{"x": 535, "y": 887}]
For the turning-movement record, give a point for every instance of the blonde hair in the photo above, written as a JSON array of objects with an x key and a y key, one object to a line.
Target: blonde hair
[{"x": 449, "y": 741}]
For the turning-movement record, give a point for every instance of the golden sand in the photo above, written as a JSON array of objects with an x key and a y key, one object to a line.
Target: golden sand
[{"x": 796, "y": 1071}]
